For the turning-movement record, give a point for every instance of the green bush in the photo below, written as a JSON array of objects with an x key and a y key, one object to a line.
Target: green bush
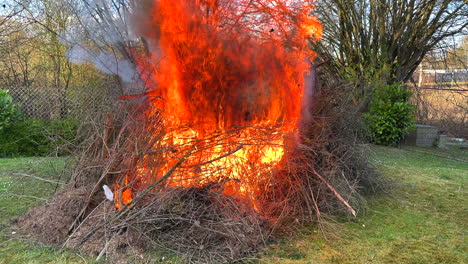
[
  {"x": 24, "y": 138},
  {"x": 36, "y": 137},
  {"x": 9, "y": 112},
  {"x": 61, "y": 132},
  {"x": 391, "y": 115}
]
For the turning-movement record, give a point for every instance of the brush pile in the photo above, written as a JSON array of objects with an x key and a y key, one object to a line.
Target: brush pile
[
  {"x": 226, "y": 148},
  {"x": 327, "y": 174}
]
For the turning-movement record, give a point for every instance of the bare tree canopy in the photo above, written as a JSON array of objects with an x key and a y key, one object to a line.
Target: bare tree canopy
[{"x": 390, "y": 36}]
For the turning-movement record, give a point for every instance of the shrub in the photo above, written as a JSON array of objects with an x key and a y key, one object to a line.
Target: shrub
[
  {"x": 24, "y": 138},
  {"x": 391, "y": 115},
  {"x": 9, "y": 112},
  {"x": 61, "y": 133},
  {"x": 36, "y": 138}
]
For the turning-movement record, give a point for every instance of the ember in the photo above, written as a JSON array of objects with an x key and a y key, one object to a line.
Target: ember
[{"x": 228, "y": 78}]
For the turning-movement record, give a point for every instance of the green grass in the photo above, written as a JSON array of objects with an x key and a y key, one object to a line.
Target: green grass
[
  {"x": 421, "y": 221},
  {"x": 16, "y": 197},
  {"x": 14, "y": 187}
]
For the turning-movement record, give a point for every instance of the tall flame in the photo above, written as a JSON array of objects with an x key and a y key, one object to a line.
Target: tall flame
[{"x": 228, "y": 78}]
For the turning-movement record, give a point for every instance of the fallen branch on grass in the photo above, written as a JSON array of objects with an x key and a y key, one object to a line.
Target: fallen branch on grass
[
  {"x": 27, "y": 196},
  {"x": 337, "y": 195},
  {"x": 38, "y": 178}
]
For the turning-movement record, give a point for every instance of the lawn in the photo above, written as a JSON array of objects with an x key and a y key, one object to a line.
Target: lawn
[
  {"x": 422, "y": 220},
  {"x": 18, "y": 193}
]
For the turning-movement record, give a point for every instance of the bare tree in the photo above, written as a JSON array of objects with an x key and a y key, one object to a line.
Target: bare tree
[
  {"x": 35, "y": 57},
  {"x": 384, "y": 39}
]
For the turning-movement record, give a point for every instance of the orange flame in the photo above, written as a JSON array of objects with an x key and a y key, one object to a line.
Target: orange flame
[{"x": 228, "y": 77}]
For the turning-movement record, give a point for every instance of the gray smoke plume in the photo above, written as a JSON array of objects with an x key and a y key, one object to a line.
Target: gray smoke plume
[
  {"x": 102, "y": 37},
  {"x": 105, "y": 62}
]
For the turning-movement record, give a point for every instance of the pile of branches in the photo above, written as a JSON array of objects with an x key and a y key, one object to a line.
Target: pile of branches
[{"x": 326, "y": 172}]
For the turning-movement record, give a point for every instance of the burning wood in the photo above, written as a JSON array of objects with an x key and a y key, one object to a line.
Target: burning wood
[{"x": 221, "y": 79}]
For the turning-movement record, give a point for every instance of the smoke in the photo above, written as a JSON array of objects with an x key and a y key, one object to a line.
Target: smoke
[
  {"x": 101, "y": 36},
  {"x": 105, "y": 62}
]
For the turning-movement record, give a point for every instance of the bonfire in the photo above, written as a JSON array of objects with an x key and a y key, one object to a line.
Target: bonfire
[{"x": 221, "y": 150}]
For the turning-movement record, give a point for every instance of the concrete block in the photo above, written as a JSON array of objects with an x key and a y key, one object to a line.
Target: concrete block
[
  {"x": 442, "y": 143},
  {"x": 423, "y": 136}
]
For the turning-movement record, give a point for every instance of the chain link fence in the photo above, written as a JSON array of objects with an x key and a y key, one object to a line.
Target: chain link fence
[{"x": 53, "y": 103}]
